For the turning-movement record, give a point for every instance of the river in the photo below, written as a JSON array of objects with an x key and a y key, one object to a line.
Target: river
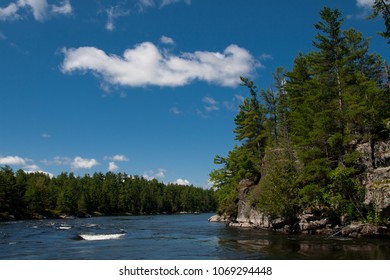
[{"x": 170, "y": 237}]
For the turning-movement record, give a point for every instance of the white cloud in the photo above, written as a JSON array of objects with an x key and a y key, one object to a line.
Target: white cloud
[
  {"x": 10, "y": 12},
  {"x": 51, "y": 175},
  {"x": 151, "y": 174},
  {"x": 114, "y": 13},
  {"x": 266, "y": 56},
  {"x": 83, "y": 163},
  {"x": 31, "y": 167},
  {"x": 175, "y": 111},
  {"x": 116, "y": 158},
  {"x": 170, "y": 2},
  {"x": 167, "y": 40},
  {"x": 183, "y": 182},
  {"x": 233, "y": 104},
  {"x": 58, "y": 161},
  {"x": 40, "y": 9},
  {"x": 2, "y": 36},
  {"x": 64, "y": 8},
  {"x": 28, "y": 164},
  {"x": 12, "y": 160},
  {"x": 45, "y": 135},
  {"x": 160, "y": 3},
  {"x": 147, "y": 65},
  {"x": 112, "y": 166},
  {"x": 146, "y": 3},
  {"x": 365, "y": 3},
  {"x": 211, "y": 104}
]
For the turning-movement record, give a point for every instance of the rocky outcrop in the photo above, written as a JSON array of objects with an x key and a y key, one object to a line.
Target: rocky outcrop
[
  {"x": 376, "y": 179},
  {"x": 374, "y": 160},
  {"x": 218, "y": 218},
  {"x": 364, "y": 230},
  {"x": 247, "y": 216}
]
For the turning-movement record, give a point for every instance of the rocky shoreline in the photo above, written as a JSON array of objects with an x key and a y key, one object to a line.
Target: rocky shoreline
[
  {"x": 310, "y": 225},
  {"x": 375, "y": 180}
]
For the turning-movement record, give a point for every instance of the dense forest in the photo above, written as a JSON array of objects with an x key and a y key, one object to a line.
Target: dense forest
[
  {"x": 28, "y": 195},
  {"x": 297, "y": 139}
]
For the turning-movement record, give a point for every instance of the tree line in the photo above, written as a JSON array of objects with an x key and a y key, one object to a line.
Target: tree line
[
  {"x": 25, "y": 195},
  {"x": 297, "y": 139}
]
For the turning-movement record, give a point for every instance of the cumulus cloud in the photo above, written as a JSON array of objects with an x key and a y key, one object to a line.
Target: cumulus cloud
[
  {"x": 64, "y": 8},
  {"x": 183, "y": 182},
  {"x": 10, "y": 12},
  {"x": 167, "y": 40},
  {"x": 116, "y": 158},
  {"x": 112, "y": 166},
  {"x": 83, "y": 163},
  {"x": 152, "y": 174},
  {"x": 12, "y": 160},
  {"x": 51, "y": 175},
  {"x": 31, "y": 167},
  {"x": 40, "y": 9},
  {"x": 28, "y": 165},
  {"x": 147, "y": 65}
]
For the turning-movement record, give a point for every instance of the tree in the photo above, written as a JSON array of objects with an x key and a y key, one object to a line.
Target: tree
[
  {"x": 278, "y": 191},
  {"x": 243, "y": 161},
  {"x": 382, "y": 7},
  {"x": 7, "y": 189}
]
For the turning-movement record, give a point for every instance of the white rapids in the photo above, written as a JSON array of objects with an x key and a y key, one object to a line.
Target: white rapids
[{"x": 95, "y": 237}]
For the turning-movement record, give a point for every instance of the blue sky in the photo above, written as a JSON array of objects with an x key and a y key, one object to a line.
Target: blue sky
[{"x": 145, "y": 87}]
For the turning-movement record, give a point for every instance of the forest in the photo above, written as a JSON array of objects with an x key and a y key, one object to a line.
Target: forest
[
  {"x": 36, "y": 195},
  {"x": 297, "y": 139}
]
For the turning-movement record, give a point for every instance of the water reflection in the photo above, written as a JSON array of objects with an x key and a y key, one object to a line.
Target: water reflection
[{"x": 257, "y": 244}]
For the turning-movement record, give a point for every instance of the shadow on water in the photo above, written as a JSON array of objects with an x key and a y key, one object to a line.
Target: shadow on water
[{"x": 260, "y": 244}]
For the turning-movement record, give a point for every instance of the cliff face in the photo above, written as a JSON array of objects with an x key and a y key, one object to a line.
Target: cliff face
[{"x": 375, "y": 179}]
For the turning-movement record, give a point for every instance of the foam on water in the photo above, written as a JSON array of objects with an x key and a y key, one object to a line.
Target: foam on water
[
  {"x": 96, "y": 237},
  {"x": 64, "y": 227}
]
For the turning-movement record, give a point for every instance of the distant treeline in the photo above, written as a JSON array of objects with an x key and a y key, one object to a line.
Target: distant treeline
[{"x": 26, "y": 195}]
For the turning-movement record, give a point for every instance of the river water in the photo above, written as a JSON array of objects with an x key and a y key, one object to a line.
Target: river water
[{"x": 170, "y": 237}]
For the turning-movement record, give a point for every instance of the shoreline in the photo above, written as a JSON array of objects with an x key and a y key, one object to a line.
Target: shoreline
[
  {"x": 353, "y": 230},
  {"x": 5, "y": 217}
]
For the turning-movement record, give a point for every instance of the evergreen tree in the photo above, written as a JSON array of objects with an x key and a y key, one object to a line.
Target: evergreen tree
[{"x": 382, "y": 7}]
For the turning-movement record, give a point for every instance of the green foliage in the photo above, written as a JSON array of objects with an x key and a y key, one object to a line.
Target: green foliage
[
  {"x": 382, "y": 7},
  {"x": 300, "y": 137},
  {"x": 278, "y": 189},
  {"x": 244, "y": 161},
  {"x": 26, "y": 194}
]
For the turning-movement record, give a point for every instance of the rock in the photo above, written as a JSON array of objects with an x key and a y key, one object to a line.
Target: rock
[
  {"x": 278, "y": 223},
  {"x": 381, "y": 154},
  {"x": 351, "y": 229},
  {"x": 369, "y": 230},
  {"x": 218, "y": 218},
  {"x": 376, "y": 178},
  {"x": 366, "y": 230}
]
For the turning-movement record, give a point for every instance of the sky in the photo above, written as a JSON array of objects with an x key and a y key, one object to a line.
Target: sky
[{"x": 144, "y": 87}]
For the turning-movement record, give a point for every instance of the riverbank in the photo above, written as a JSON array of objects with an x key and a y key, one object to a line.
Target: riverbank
[{"x": 49, "y": 216}]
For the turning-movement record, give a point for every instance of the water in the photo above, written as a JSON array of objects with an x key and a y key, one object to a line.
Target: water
[{"x": 187, "y": 237}]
